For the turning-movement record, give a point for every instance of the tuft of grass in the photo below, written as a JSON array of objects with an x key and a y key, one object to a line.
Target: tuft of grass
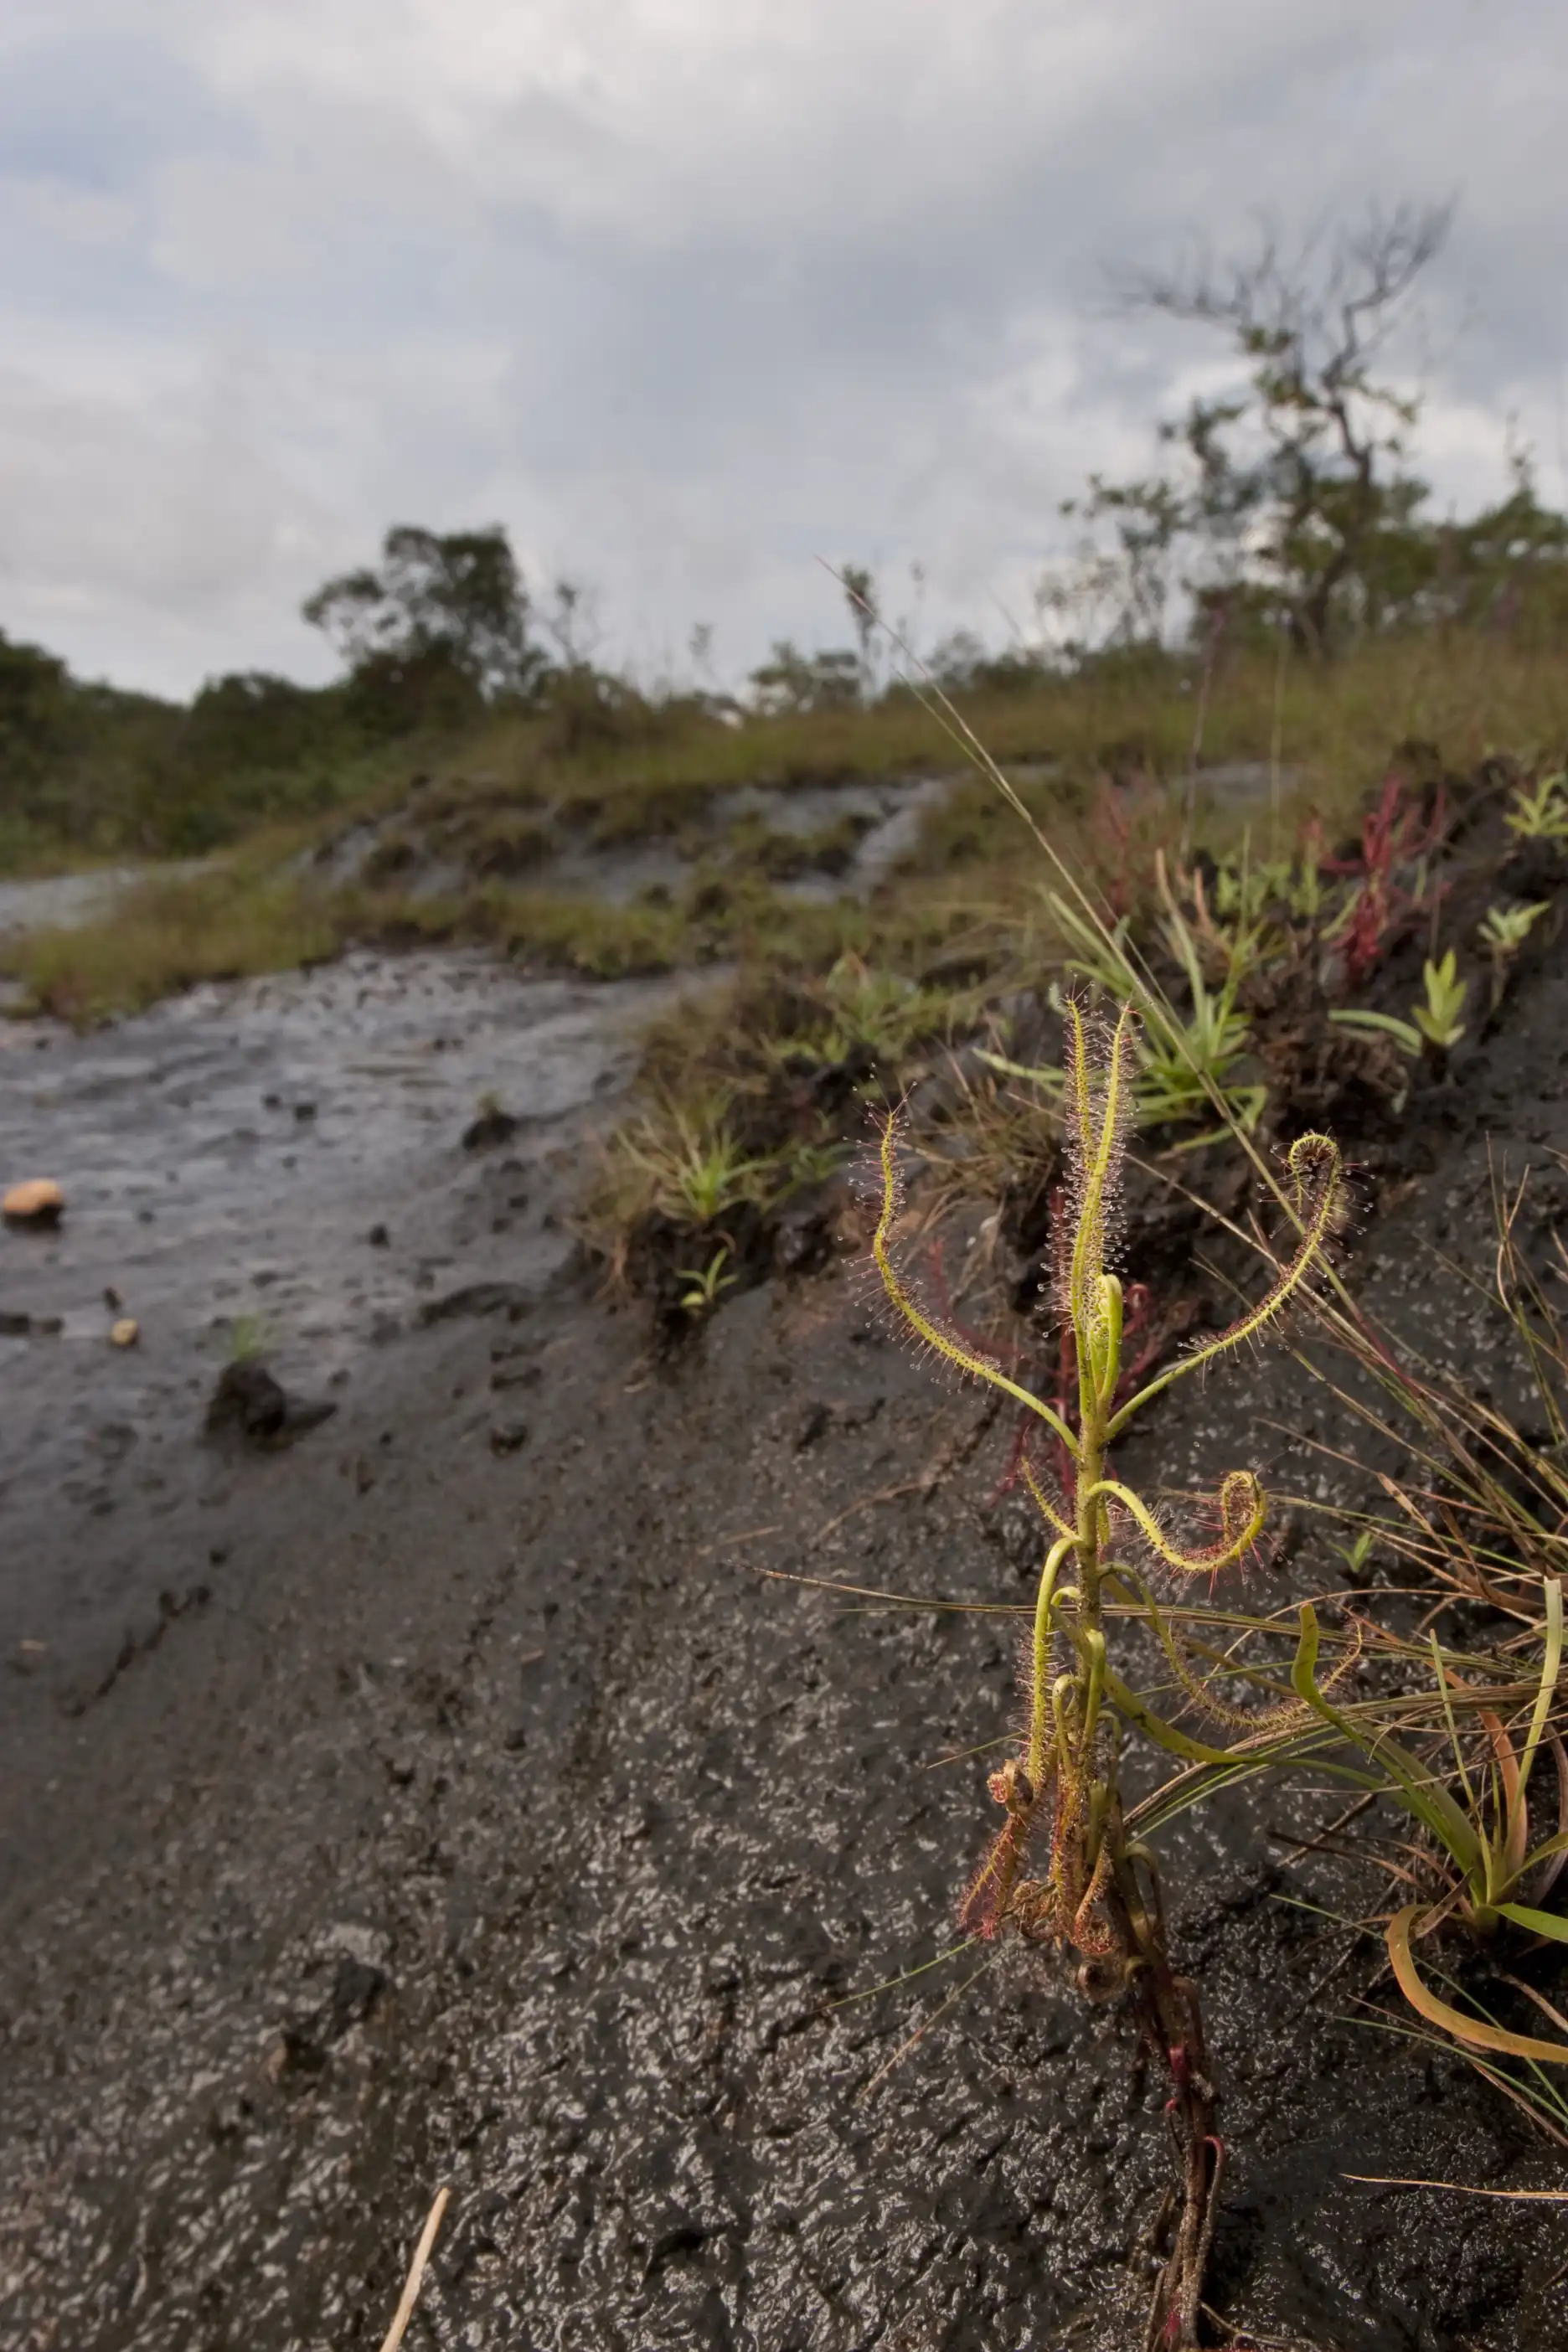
[{"x": 164, "y": 936}]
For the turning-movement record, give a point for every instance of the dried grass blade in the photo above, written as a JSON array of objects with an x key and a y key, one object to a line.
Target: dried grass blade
[
  {"x": 415, "y": 2278},
  {"x": 1451, "y": 2021}
]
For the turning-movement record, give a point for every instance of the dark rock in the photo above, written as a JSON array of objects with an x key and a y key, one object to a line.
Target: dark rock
[
  {"x": 491, "y": 1128},
  {"x": 294, "y": 2056},
  {"x": 304, "y": 1111},
  {"x": 356, "y": 1988},
  {"x": 803, "y": 1243},
  {"x": 14, "y": 1327},
  {"x": 516, "y": 1376},
  {"x": 509, "y": 1436},
  {"x": 378, "y": 1237},
  {"x": 477, "y": 1298},
  {"x": 249, "y": 1403}
]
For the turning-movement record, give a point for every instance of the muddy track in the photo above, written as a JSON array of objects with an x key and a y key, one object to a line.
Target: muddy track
[{"x": 497, "y": 1819}]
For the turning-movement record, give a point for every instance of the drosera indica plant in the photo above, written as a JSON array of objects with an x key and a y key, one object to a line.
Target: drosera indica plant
[{"x": 1064, "y": 1871}]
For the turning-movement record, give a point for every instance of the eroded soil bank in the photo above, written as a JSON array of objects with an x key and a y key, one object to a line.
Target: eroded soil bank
[{"x": 445, "y": 1793}]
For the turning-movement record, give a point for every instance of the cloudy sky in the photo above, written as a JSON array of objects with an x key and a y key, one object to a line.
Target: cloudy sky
[{"x": 688, "y": 292}]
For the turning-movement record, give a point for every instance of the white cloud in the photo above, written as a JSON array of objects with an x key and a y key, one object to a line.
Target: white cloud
[{"x": 684, "y": 291}]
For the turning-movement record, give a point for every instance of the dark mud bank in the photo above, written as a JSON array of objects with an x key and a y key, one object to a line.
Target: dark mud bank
[{"x": 492, "y": 1817}]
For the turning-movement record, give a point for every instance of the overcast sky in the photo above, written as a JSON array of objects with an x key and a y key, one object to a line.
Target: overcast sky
[{"x": 687, "y": 293}]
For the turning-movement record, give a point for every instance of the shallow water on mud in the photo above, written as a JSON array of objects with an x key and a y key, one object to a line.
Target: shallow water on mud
[
  {"x": 226, "y": 1158},
  {"x": 233, "y": 1141}
]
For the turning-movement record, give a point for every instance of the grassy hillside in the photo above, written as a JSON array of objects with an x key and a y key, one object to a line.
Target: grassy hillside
[{"x": 486, "y": 827}]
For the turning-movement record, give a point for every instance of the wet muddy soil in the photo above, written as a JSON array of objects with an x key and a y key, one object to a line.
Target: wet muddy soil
[{"x": 458, "y": 1788}]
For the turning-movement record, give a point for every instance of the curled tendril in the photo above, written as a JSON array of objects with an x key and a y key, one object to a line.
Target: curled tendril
[
  {"x": 946, "y": 1343},
  {"x": 1317, "y": 1178},
  {"x": 1243, "y": 1509},
  {"x": 991, "y": 1900}
]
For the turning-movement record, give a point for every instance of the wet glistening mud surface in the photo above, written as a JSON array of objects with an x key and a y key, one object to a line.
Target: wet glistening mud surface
[{"x": 457, "y": 1787}]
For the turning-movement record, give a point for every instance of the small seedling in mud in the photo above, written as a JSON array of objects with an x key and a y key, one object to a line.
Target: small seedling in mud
[
  {"x": 1357, "y": 1555},
  {"x": 1064, "y": 1870},
  {"x": 1542, "y": 815},
  {"x": 247, "y": 1338},
  {"x": 706, "y": 1283},
  {"x": 1503, "y": 931},
  {"x": 1435, "y": 1025},
  {"x": 1438, "y": 1019}
]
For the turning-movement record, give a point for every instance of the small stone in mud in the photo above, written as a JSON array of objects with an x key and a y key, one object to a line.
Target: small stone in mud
[
  {"x": 303, "y": 1111},
  {"x": 124, "y": 1333},
  {"x": 39, "y": 1204},
  {"x": 249, "y": 1403},
  {"x": 508, "y": 1436},
  {"x": 492, "y": 1126},
  {"x": 14, "y": 1327},
  {"x": 516, "y": 1376},
  {"x": 378, "y": 1237}
]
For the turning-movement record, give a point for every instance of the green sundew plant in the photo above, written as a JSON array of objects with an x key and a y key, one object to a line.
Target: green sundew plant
[
  {"x": 1086, "y": 1885},
  {"x": 1186, "y": 1068},
  {"x": 1436, "y": 1024},
  {"x": 1503, "y": 931},
  {"x": 874, "y": 1007},
  {"x": 1542, "y": 815},
  {"x": 706, "y": 1283},
  {"x": 694, "y": 1168},
  {"x": 1260, "y": 901}
]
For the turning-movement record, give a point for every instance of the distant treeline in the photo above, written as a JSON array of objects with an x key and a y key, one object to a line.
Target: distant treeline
[{"x": 1284, "y": 515}]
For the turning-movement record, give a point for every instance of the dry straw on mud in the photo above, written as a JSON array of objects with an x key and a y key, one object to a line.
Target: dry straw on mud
[{"x": 416, "y": 2269}]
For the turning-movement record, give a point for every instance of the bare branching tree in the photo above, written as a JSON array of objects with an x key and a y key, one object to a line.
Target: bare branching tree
[{"x": 1293, "y": 490}]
